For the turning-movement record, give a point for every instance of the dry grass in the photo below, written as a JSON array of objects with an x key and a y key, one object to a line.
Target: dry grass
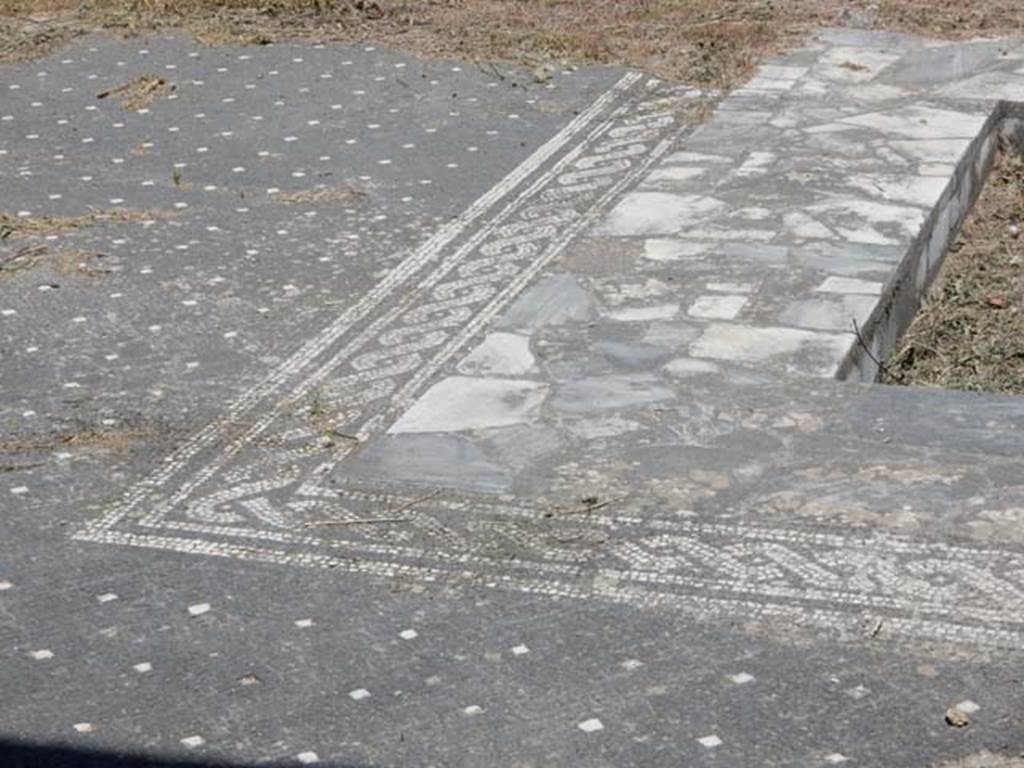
[
  {"x": 76, "y": 263},
  {"x": 138, "y": 93},
  {"x": 17, "y": 226},
  {"x": 343, "y": 194},
  {"x": 22, "y": 259},
  {"x": 70, "y": 262},
  {"x": 80, "y": 436},
  {"x": 701, "y": 41},
  {"x": 15, "y": 257},
  {"x": 969, "y": 334}
]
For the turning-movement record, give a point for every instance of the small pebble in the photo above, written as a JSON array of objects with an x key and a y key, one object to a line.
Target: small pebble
[{"x": 957, "y": 718}]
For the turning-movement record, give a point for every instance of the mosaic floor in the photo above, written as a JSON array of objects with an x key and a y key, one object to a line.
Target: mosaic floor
[{"x": 378, "y": 411}]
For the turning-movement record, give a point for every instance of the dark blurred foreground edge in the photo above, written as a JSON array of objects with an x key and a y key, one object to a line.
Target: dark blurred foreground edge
[{"x": 16, "y": 754}]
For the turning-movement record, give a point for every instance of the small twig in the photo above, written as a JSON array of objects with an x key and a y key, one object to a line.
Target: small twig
[
  {"x": 568, "y": 539},
  {"x": 19, "y": 467},
  {"x": 867, "y": 350},
  {"x": 419, "y": 500},
  {"x": 361, "y": 521},
  {"x": 483, "y": 67},
  {"x": 343, "y": 435},
  {"x": 875, "y": 630},
  {"x": 581, "y": 509},
  {"x": 369, "y": 520},
  {"x": 577, "y": 537}
]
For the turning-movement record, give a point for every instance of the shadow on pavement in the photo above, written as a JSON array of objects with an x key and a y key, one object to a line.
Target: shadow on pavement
[{"x": 15, "y": 754}]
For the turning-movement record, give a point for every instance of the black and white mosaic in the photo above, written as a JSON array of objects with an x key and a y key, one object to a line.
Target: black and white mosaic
[{"x": 365, "y": 410}]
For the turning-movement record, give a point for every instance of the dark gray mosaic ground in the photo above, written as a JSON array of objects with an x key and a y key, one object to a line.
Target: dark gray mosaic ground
[{"x": 217, "y": 658}]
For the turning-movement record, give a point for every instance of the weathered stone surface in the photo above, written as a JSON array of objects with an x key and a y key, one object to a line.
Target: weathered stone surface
[
  {"x": 520, "y": 449},
  {"x": 500, "y": 354},
  {"x": 463, "y": 403}
]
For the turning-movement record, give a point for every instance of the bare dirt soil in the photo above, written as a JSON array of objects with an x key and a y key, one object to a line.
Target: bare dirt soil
[
  {"x": 712, "y": 42},
  {"x": 969, "y": 333}
]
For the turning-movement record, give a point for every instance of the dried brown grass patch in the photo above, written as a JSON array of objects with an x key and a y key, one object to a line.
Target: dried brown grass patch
[
  {"x": 344, "y": 194},
  {"x": 969, "y": 332},
  {"x": 108, "y": 439},
  {"x": 74, "y": 262},
  {"x": 22, "y": 259},
  {"x": 700, "y": 41},
  {"x": 140, "y": 92},
  {"x": 24, "y": 38},
  {"x": 18, "y": 226},
  {"x": 70, "y": 262}
]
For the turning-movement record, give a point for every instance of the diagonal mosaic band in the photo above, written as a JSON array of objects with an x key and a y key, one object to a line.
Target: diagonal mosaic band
[{"x": 367, "y": 366}]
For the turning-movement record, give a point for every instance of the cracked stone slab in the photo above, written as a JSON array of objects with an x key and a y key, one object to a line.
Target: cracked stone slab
[
  {"x": 500, "y": 354},
  {"x": 461, "y": 403}
]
